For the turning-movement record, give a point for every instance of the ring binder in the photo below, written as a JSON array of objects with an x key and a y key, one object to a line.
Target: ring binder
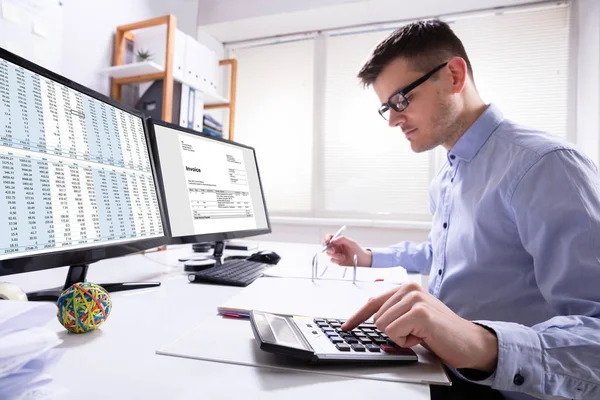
[{"x": 315, "y": 268}]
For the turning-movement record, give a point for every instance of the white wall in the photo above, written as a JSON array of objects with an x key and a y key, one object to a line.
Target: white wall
[{"x": 89, "y": 28}]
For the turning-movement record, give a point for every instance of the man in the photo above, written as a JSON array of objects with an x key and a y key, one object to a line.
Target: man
[{"x": 514, "y": 249}]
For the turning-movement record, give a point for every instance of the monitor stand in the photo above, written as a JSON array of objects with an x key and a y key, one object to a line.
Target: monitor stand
[
  {"x": 217, "y": 254},
  {"x": 77, "y": 273},
  {"x": 204, "y": 247}
]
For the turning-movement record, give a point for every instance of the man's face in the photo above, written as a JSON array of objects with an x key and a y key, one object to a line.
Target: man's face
[{"x": 429, "y": 119}]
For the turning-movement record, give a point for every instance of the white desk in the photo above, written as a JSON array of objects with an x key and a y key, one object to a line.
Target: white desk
[{"x": 120, "y": 355}]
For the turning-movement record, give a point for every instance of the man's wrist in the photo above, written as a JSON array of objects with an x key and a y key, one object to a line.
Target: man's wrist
[{"x": 486, "y": 346}]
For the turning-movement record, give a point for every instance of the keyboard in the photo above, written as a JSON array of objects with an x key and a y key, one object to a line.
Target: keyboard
[{"x": 230, "y": 273}]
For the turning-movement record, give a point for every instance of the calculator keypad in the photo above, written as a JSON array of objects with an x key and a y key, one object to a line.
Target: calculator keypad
[{"x": 364, "y": 338}]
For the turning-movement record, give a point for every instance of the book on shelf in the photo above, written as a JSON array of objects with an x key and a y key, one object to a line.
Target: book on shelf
[{"x": 212, "y": 132}]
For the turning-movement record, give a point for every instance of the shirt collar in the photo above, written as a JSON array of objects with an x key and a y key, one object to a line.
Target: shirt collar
[{"x": 475, "y": 137}]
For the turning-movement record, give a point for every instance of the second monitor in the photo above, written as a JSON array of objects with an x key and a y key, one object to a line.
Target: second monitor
[{"x": 212, "y": 186}]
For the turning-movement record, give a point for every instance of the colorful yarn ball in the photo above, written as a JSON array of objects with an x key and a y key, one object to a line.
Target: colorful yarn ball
[{"x": 83, "y": 307}]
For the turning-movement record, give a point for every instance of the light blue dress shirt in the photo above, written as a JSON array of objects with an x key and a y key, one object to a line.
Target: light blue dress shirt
[{"x": 515, "y": 246}]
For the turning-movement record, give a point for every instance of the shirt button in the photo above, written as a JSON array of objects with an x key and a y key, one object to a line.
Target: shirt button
[
  {"x": 452, "y": 180},
  {"x": 439, "y": 272},
  {"x": 445, "y": 225},
  {"x": 452, "y": 156},
  {"x": 518, "y": 380}
]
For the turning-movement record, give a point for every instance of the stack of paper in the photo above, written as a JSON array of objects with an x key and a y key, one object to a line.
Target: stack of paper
[{"x": 26, "y": 350}]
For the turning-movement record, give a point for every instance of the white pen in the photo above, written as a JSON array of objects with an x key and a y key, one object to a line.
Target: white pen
[{"x": 337, "y": 235}]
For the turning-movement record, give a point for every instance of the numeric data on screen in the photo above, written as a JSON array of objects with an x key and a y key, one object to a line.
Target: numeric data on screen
[{"x": 75, "y": 171}]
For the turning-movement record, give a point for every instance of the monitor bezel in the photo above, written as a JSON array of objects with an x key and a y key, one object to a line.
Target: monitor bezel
[
  {"x": 93, "y": 253},
  {"x": 207, "y": 237}
]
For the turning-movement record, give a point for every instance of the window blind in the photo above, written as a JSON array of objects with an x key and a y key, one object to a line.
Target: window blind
[
  {"x": 520, "y": 62},
  {"x": 274, "y": 114},
  {"x": 364, "y": 169}
]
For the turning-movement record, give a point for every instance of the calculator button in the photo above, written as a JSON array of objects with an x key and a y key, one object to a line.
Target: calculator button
[
  {"x": 336, "y": 325},
  {"x": 368, "y": 325},
  {"x": 336, "y": 340},
  {"x": 332, "y": 334},
  {"x": 380, "y": 341},
  {"x": 342, "y": 347},
  {"x": 365, "y": 340},
  {"x": 317, "y": 320},
  {"x": 357, "y": 347},
  {"x": 373, "y": 334},
  {"x": 360, "y": 335},
  {"x": 333, "y": 321},
  {"x": 372, "y": 348},
  {"x": 328, "y": 331},
  {"x": 388, "y": 348},
  {"x": 351, "y": 340}
]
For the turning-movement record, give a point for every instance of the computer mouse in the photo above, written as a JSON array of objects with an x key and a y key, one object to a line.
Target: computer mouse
[{"x": 265, "y": 257}]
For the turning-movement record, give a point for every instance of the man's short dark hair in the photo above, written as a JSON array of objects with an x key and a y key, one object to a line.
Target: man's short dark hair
[{"x": 424, "y": 44}]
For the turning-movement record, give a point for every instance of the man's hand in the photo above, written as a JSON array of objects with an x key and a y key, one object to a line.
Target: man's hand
[
  {"x": 343, "y": 249},
  {"x": 410, "y": 316}
]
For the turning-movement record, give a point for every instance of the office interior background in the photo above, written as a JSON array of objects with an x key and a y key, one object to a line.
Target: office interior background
[{"x": 326, "y": 157}]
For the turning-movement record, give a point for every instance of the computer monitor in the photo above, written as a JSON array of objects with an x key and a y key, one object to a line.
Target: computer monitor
[
  {"x": 212, "y": 186},
  {"x": 77, "y": 177}
]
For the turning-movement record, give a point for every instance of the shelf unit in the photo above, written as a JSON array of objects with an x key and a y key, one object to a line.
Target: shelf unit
[{"x": 124, "y": 74}]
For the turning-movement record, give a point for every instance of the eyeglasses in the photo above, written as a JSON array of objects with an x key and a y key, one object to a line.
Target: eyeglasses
[{"x": 398, "y": 101}]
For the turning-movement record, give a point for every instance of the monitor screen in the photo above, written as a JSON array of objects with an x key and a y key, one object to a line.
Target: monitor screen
[
  {"x": 212, "y": 186},
  {"x": 76, "y": 171}
]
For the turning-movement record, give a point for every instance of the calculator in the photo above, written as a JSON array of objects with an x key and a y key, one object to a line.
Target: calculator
[{"x": 322, "y": 340}]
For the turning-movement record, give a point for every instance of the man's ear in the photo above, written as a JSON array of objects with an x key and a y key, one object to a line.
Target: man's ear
[{"x": 459, "y": 73}]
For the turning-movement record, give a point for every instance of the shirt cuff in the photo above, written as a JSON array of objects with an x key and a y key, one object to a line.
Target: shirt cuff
[
  {"x": 384, "y": 257},
  {"x": 520, "y": 365}
]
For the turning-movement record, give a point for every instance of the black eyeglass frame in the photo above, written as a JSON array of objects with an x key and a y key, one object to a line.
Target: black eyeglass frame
[{"x": 405, "y": 90}]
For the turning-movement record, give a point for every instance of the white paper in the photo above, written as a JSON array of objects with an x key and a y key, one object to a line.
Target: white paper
[
  {"x": 335, "y": 272},
  {"x": 27, "y": 349},
  {"x": 27, "y": 341},
  {"x": 231, "y": 341},
  {"x": 17, "y": 315}
]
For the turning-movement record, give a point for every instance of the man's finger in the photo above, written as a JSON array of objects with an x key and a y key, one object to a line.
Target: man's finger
[
  {"x": 404, "y": 289},
  {"x": 410, "y": 324},
  {"x": 327, "y": 239},
  {"x": 408, "y": 341},
  {"x": 367, "y": 310},
  {"x": 401, "y": 306}
]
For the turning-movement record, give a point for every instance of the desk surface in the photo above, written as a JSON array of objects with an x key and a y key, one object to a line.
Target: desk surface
[{"x": 120, "y": 355}]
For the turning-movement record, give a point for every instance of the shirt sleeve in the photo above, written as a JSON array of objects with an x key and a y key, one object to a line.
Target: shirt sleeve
[
  {"x": 415, "y": 257},
  {"x": 556, "y": 207}
]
